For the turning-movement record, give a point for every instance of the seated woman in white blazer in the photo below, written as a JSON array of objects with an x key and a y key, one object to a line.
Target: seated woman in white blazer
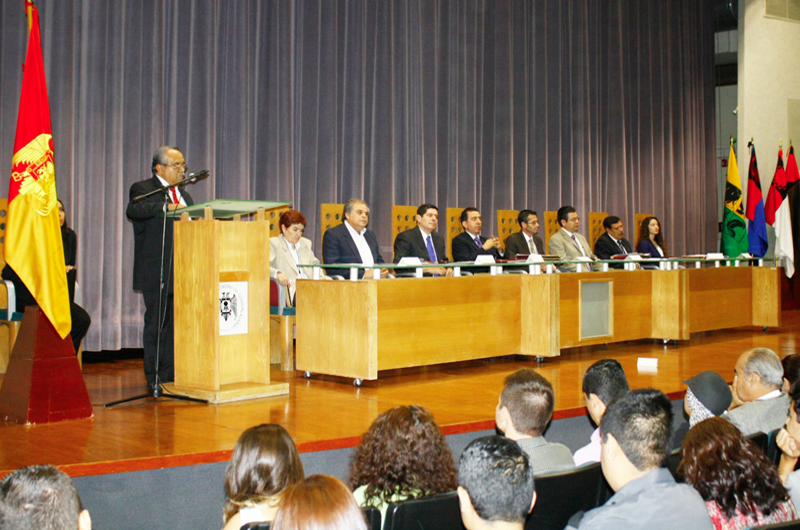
[{"x": 290, "y": 249}]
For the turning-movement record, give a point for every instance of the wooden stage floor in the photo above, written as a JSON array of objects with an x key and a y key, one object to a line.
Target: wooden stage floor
[{"x": 326, "y": 413}]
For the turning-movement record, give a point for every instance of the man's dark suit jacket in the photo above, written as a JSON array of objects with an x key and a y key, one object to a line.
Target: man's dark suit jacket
[
  {"x": 517, "y": 244},
  {"x": 147, "y": 229},
  {"x": 466, "y": 249},
  {"x": 606, "y": 247},
  {"x": 411, "y": 244},
  {"x": 338, "y": 246}
]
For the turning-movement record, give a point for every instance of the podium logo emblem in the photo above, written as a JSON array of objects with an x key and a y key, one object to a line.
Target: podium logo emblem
[{"x": 233, "y": 308}]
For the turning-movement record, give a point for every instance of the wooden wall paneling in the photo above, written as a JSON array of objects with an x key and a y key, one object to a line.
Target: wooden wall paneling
[
  {"x": 550, "y": 227},
  {"x": 506, "y": 225},
  {"x": 441, "y": 320},
  {"x": 670, "y": 313},
  {"x": 596, "y": 227},
  {"x": 337, "y": 330},
  {"x": 540, "y": 308},
  {"x": 453, "y": 228},
  {"x": 767, "y": 296},
  {"x": 720, "y": 298}
]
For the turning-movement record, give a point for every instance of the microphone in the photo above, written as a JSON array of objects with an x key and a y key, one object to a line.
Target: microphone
[{"x": 194, "y": 177}]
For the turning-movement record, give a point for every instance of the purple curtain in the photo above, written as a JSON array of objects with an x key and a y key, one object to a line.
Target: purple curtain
[{"x": 603, "y": 104}]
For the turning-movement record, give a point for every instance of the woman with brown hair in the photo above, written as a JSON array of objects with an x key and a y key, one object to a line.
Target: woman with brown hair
[
  {"x": 651, "y": 239},
  {"x": 264, "y": 463},
  {"x": 319, "y": 502},
  {"x": 402, "y": 456},
  {"x": 738, "y": 482}
]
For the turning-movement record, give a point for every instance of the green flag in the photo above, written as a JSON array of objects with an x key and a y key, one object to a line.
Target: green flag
[{"x": 734, "y": 227}]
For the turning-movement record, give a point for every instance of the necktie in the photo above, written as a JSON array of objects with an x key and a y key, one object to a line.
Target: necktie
[
  {"x": 175, "y": 195},
  {"x": 431, "y": 252},
  {"x": 622, "y": 247},
  {"x": 532, "y": 246},
  {"x": 478, "y": 241}
]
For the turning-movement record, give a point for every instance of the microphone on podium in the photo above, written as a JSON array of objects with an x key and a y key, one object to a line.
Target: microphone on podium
[{"x": 194, "y": 177}]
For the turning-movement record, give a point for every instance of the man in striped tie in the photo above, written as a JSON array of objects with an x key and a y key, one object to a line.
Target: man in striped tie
[{"x": 567, "y": 243}]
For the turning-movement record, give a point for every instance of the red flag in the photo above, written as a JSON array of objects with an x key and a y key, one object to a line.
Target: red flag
[
  {"x": 33, "y": 246},
  {"x": 777, "y": 191}
]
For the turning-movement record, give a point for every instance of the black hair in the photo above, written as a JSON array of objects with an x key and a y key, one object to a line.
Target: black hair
[
  {"x": 563, "y": 213},
  {"x": 605, "y": 379},
  {"x": 465, "y": 213},
  {"x": 523, "y": 216},
  {"x": 610, "y": 221},
  {"x": 422, "y": 210}
]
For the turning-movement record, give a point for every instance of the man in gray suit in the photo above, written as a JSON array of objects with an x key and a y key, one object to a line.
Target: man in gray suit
[
  {"x": 567, "y": 243},
  {"x": 758, "y": 403},
  {"x": 523, "y": 412},
  {"x": 525, "y": 241}
]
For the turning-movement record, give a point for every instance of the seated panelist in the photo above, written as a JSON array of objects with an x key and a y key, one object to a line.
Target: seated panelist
[
  {"x": 469, "y": 244},
  {"x": 567, "y": 243},
  {"x": 613, "y": 242},
  {"x": 352, "y": 242},
  {"x": 526, "y": 241},
  {"x": 423, "y": 242},
  {"x": 289, "y": 250}
]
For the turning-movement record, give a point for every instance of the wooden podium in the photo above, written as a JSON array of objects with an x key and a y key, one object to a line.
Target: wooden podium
[{"x": 222, "y": 302}]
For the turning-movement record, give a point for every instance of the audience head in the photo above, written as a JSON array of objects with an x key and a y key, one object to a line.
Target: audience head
[
  {"x": 568, "y": 218},
  {"x": 792, "y": 425},
  {"x": 319, "y": 502},
  {"x": 528, "y": 221},
  {"x": 427, "y": 217},
  {"x": 41, "y": 497},
  {"x": 637, "y": 431},
  {"x": 403, "y": 453},
  {"x": 791, "y": 371},
  {"x": 356, "y": 212},
  {"x": 708, "y": 395},
  {"x": 471, "y": 220},
  {"x": 264, "y": 463},
  {"x": 525, "y": 406},
  {"x": 603, "y": 382},
  {"x": 726, "y": 468},
  {"x": 495, "y": 482},
  {"x": 758, "y": 372},
  {"x": 614, "y": 227},
  {"x": 292, "y": 224}
]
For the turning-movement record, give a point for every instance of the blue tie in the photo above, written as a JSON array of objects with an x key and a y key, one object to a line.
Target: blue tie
[
  {"x": 431, "y": 252},
  {"x": 478, "y": 241}
]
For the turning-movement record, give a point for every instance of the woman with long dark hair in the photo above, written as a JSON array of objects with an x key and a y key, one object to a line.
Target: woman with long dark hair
[
  {"x": 651, "y": 239},
  {"x": 740, "y": 485},
  {"x": 264, "y": 463},
  {"x": 403, "y": 455}
]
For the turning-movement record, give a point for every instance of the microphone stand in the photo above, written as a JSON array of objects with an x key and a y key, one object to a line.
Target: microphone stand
[{"x": 157, "y": 390}]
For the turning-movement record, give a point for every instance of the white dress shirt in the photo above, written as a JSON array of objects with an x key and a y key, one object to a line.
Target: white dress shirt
[
  {"x": 177, "y": 190},
  {"x": 361, "y": 244}
]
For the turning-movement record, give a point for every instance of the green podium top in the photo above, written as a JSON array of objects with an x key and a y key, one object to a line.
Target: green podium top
[{"x": 226, "y": 209}]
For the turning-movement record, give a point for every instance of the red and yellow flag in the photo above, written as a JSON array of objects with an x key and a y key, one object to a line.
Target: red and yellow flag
[{"x": 33, "y": 245}]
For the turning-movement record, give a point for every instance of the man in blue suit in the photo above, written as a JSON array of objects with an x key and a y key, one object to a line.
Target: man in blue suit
[{"x": 351, "y": 241}]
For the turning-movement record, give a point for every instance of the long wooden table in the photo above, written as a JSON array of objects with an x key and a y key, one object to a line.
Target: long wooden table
[{"x": 355, "y": 329}]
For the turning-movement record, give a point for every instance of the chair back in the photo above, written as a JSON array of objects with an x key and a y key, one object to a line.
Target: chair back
[
  {"x": 454, "y": 227},
  {"x": 637, "y": 226},
  {"x": 561, "y": 495},
  {"x": 274, "y": 216},
  {"x": 437, "y": 512},
  {"x": 673, "y": 461},
  {"x": 275, "y": 292},
  {"x": 760, "y": 440},
  {"x": 550, "y": 227},
  {"x": 596, "y": 227},
  {"x": 506, "y": 225},
  {"x": 403, "y": 218}
]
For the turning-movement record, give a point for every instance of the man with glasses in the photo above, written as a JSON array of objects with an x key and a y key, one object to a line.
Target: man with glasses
[
  {"x": 168, "y": 167},
  {"x": 567, "y": 243}
]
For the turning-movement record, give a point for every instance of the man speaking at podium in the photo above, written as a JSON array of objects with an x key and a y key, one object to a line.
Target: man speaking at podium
[{"x": 169, "y": 167}]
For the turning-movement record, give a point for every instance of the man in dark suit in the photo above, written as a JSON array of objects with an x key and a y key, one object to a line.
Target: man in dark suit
[
  {"x": 468, "y": 245},
  {"x": 168, "y": 167},
  {"x": 351, "y": 242},
  {"x": 613, "y": 242},
  {"x": 423, "y": 242},
  {"x": 525, "y": 241}
]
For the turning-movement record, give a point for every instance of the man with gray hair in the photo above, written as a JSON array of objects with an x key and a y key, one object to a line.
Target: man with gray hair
[
  {"x": 41, "y": 497},
  {"x": 759, "y": 405},
  {"x": 352, "y": 242}
]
